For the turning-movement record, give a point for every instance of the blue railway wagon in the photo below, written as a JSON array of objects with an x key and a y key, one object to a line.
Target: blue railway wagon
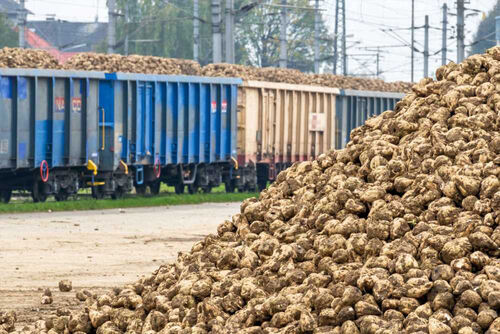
[
  {"x": 61, "y": 131},
  {"x": 179, "y": 130},
  {"x": 48, "y": 130},
  {"x": 354, "y": 107}
]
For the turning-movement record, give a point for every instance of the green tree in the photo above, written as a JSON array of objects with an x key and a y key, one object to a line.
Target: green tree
[
  {"x": 8, "y": 36},
  {"x": 485, "y": 34},
  {"x": 169, "y": 27},
  {"x": 258, "y": 36},
  {"x": 162, "y": 28}
]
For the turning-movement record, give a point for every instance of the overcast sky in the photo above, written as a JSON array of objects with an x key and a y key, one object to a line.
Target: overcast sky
[{"x": 365, "y": 20}]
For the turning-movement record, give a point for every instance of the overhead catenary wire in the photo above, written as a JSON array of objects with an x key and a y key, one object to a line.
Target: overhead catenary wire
[
  {"x": 360, "y": 12},
  {"x": 368, "y": 8}
]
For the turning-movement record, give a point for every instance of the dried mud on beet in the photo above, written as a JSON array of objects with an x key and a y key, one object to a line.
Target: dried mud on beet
[{"x": 397, "y": 233}]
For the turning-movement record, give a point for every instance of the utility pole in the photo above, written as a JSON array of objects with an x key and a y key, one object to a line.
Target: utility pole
[
  {"x": 22, "y": 24},
  {"x": 111, "y": 26},
  {"x": 344, "y": 45},
  {"x": 340, "y": 19},
  {"x": 233, "y": 32},
  {"x": 497, "y": 21},
  {"x": 97, "y": 12},
  {"x": 426, "y": 47},
  {"x": 316, "y": 38},
  {"x": 443, "y": 42},
  {"x": 378, "y": 62},
  {"x": 460, "y": 31},
  {"x": 283, "y": 42},
  {"x": 127, "y": 22},
  {"x": 216, "y": 31},
  {"x": 412, "y": 40},
  {"x": 336, "y": 39},
  {"x": 230, "y": 31},
  {"x": 196, "y": 30}
]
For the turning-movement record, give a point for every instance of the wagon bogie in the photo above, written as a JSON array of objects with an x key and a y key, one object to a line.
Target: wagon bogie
[
  {"x": 208, "y": 176},
  {"x": 244, "y": 180},
  {"x": 112, "y": 184}
]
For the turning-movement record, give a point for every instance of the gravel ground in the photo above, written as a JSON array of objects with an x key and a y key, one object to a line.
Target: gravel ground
[{"x": 93, "y": 249}]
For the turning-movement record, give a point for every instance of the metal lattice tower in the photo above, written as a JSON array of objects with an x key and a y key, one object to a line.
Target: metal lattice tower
[{"x": 339, "y": 51}]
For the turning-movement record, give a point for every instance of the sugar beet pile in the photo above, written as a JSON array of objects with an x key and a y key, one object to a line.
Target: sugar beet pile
[
  {"x": 157, "y": 65},
  {"x": 132, "y": 64},
  {"x": 397, "y": 233},
  {"x": 291, "y": 76},
  {"x": 26, "y": 58}
]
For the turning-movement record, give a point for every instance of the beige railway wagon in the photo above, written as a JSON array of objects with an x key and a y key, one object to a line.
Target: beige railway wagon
[{"x": 280, "y": 124}]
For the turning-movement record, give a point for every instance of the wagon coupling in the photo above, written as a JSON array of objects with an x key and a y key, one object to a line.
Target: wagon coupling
[
  {"x": 92, "y": 167},
  {"x": 125, "y": 167}
]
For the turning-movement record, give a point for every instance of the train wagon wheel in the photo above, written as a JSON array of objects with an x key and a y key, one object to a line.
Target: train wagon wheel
[
  {"x": 179, "y": 188},
  {"x": 140, "y": 190},
  {"x": 97, "y": 192},
  {"x": 119, "y": 193},
  {"x": 61, "y": 196},
  {"x": 37, "y": 192},
  {"x": 229, "y": 187},
  {"x": 262, "y": 185},
  {"x": 154, "y": 188},
  {"x": 193, "y": 189},
  {"x": 252, "y": 189},
  {"x": 5, "y": 195}
]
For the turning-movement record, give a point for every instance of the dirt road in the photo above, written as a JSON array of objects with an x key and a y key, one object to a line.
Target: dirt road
[{"x": 93, "y": 249}]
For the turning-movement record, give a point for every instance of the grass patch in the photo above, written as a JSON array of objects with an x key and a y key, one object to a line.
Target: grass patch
[{"x": 83, "y": 202}]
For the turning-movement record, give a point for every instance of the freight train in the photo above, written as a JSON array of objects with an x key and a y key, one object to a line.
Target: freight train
[{"x": 62, "y": 131}]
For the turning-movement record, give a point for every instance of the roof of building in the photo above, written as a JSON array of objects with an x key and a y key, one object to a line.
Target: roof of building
[
  {"x": 10, "y": 7},
  {"x": 37, "y": 42},
  {"x": 70, "y": 36}
]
